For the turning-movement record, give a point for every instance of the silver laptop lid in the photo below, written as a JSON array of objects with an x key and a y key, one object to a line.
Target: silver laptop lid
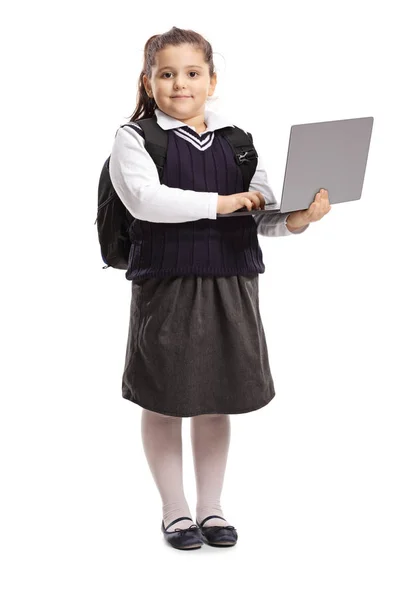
[{"x": 331, "y": 155}]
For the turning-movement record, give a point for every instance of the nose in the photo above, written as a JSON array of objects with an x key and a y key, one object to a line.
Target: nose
[{"x": 179, "y": 83}]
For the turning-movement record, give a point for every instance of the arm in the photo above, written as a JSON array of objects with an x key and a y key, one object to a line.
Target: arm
[
  {"x": 275, "y": 224},
  {"x": 134, "y": 177}
]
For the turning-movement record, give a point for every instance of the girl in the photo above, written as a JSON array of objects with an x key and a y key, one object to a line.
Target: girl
[{"x": 196, "y": 345}]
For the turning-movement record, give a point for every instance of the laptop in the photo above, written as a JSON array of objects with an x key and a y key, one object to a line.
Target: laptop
[{"x": 330, "y": 155}]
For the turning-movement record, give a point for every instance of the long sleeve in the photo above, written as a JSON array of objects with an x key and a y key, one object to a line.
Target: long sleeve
[
  {"x": 134, "y": 177},
  {"x": 274, "y": 224}
]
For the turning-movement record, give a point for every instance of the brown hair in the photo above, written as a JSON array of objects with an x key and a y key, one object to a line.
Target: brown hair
[{"x": 146, "y": 106}]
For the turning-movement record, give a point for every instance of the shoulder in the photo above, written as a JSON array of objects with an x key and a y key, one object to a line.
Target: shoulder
[
  {"x": 245, "y": 132},
  {"x": 129, "y": 138},
  {"x": 238, "y": 132},
  {"x": 131, "y": 127}
]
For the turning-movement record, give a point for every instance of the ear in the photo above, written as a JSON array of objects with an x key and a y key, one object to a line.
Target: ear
[
  {"x": 213, "y": 83},
  {"x": 146, "y": 82}
]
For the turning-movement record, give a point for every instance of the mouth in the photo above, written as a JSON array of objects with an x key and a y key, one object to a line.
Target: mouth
[{"x": 180, "y": 97}]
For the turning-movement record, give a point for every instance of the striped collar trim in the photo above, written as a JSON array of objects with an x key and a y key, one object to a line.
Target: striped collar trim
[{"x": 201, "y": 142}]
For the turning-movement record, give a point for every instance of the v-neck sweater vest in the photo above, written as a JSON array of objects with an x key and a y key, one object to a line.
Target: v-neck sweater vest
[{"x": 224, "y": 246}]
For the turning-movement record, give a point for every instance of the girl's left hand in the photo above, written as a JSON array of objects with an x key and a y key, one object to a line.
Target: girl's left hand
[{"x": 317, "y": 209}]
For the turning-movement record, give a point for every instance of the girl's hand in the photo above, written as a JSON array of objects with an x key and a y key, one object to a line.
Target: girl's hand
[
  {"x": 228, "y": 204},
  {"x": 317, "y": 209}
]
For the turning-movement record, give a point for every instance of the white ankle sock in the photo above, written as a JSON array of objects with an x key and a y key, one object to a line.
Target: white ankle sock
[{"x": 176, "y": 510}]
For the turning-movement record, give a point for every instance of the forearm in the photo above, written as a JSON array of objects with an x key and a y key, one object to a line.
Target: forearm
[{"x": 293, "y": 229}]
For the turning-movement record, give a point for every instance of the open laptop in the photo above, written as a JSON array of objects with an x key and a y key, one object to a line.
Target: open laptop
[{"x": 330, "y": 155}]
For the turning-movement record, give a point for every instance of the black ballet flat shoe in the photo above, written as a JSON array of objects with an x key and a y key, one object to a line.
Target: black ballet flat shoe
[
  {"x": 216, "y": 535},
  {"x": 183, "y": 539}
]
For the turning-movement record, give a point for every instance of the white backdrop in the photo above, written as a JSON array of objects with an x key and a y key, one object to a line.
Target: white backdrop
[{"x": 312, "y": 479}]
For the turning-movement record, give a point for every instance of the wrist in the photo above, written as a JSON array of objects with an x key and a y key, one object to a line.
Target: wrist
[{"x": 294, "y": 223}]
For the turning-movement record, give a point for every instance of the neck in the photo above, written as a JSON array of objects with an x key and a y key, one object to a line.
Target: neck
[{"x": 196, "y": 121}]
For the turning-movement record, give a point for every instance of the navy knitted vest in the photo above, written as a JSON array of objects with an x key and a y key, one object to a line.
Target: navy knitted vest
[{"x": 221, "y": 247}]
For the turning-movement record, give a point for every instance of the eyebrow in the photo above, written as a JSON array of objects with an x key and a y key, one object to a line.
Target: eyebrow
[{"x": 187, "y": 67}]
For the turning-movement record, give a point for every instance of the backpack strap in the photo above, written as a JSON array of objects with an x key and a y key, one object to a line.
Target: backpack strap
[
  {"x": 155, "y": 141},
  {"x": 245, "y": 154}
]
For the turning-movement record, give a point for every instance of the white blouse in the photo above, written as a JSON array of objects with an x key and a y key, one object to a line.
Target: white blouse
[{"x": 134, "y": 177}]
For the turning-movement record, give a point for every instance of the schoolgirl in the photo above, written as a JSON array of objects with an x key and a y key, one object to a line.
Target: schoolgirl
[{"x": 196, "y": 345}]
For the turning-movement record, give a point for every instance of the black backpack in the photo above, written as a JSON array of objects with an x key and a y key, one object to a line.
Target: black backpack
[{"x": 114, "y": 220}]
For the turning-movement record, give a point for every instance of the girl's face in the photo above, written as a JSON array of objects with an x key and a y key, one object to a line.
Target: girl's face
[{"x": 180, "y": 81}]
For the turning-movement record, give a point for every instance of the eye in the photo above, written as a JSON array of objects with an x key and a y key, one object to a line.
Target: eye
[{"x": 169, "y": 73}]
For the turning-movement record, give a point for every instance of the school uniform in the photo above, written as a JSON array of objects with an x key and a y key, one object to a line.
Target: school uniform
[{"x": 196, "y": 343}]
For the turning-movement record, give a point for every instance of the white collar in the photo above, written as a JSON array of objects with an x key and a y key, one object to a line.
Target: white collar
[{"x": 212, "y": 119}]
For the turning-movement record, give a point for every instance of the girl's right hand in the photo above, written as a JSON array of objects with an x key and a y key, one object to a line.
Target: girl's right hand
[{"x": 228, "y": 204}]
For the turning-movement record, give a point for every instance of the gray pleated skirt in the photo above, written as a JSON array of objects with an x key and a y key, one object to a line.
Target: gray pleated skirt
[{"x": 196, "y": 345}]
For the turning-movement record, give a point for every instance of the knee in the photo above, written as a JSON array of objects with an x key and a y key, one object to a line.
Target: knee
[
  {"x": 159, "y": 417},
  {"x": 212, "y": 417}
]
